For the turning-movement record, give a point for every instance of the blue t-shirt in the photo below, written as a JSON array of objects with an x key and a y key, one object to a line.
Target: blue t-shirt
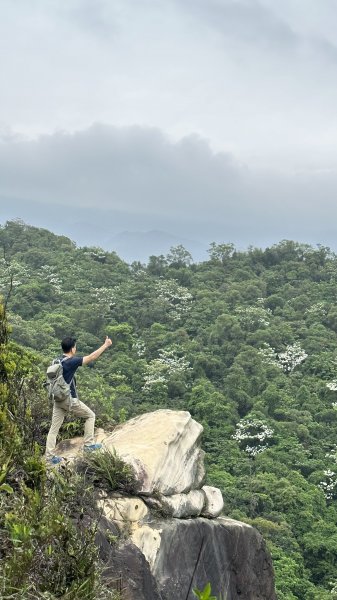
[{"x": 70, "y": 366}]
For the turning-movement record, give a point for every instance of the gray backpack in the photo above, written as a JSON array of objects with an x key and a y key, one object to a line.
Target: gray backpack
[{"x": 58, "y": 388}]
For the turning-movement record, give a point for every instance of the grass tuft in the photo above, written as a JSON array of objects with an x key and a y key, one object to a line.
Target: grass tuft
[{"x": 108, "y": 471}]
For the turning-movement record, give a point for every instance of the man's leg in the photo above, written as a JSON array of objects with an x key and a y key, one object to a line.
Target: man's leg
[
  {"x": 56, "y": 422},
  {"x": 79, "y": 409}
]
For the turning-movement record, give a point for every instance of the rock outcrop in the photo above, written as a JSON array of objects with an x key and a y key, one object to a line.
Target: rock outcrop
[
  {"x": 167, "y": 546},
  {"x": 164, "y": 449},
  {"x": 166, "y": 559}
]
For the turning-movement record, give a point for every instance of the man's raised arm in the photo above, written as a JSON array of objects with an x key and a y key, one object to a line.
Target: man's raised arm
[{"x": 94, "y": 355}]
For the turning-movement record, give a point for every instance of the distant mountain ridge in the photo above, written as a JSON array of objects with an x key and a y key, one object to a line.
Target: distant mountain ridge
[{"x": 131, "y": 236}]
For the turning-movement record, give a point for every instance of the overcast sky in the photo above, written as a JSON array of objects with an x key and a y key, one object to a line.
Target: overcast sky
[{"x": 213, "y": 118}]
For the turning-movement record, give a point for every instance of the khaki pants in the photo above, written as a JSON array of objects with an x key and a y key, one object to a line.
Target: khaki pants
[{"x": 79, "y": 409}]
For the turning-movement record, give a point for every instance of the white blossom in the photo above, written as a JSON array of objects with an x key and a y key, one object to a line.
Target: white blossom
[
  {"x": 317, "y": 310},
  {"x": 104, "y": 297},
  {"x": 333, "y": 590},
  {"x": 328, "y": 485},
  {"x": 139, "y": 347},
  {"x": 269, "y": 356},
  {"x": 333, "y": 453},
  {"x": 162, "y": 368},
  {"x": 254, "y": 315},
  {"x": 141, "y": 272},
  {"x": 48, "y": 274},
  {"x": 176, "y": 298},
  {"x": 174, "y": 363},
  {"x": 13, "y": 273},
  {"x": 152, "y": 378},
  {"x": 293, "y": 356},
  {"x": 332, "y": 385},
  {"x": 331, "y": 269},
  {"x": 255, "y": 450},
  {"x": 96, "y": 253},
  {"x": 256, "y": 432}
]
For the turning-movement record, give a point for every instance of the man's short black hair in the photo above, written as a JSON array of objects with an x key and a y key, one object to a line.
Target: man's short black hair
[{"x": 68, "y": 343}]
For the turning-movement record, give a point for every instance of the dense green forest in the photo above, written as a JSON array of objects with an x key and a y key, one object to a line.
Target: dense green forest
[{"x": 246, "y": 341}]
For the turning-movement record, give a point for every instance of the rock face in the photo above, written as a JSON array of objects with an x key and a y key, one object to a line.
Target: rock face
[
  {"x": 226, "y": 553},
  {"x": 164, "y": 449},
  {"x": 166, "y": 545},
  {"x": 166, "y": 559}
]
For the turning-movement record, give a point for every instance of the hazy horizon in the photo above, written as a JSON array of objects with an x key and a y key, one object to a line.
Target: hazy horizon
[{"x": 209, "y": 121}]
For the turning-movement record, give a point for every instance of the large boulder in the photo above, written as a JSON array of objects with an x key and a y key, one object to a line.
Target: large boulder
[
  {"x": 166, "y": 546},
  {"x": 164, "y": 449},
  {"x": 170, "y": 557}
]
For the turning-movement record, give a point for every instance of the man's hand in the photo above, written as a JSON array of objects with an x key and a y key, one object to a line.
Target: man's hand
[
  {"x": 98, "y": 352},
  {"x": 107, "y": 342}
]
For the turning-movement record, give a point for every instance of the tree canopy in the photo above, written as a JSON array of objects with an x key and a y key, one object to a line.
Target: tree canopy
[{"x": 246, "y": 341}]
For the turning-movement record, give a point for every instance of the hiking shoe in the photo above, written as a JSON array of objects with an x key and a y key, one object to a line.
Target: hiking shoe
[
  {"x": 92, "y": 447},
  {"x": 55, "y": 460}
]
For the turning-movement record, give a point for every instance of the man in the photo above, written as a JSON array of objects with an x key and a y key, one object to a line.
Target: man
[{"x": 70, "y": 364}]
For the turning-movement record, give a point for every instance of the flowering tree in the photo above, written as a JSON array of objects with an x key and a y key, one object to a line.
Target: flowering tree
[
  {"x": 332, "y": 385},
  {"x": 317, "y": 310},
  {"x": 329, "y": 484},
  {"x": 253, "y": 436},
  {"x": 96, "y": 253},
  {"x": 161, "y": 369},
  {"x": 333, "y": 591},
  {"x": 293, "y": 356},
  {"x": 139, "y": 347},
  {"x": 12, "y": 274},
  {"x": 269, "y": 356},
  {"x": 254, "y": 315},
  {"x": 174, "y": 297},
  {"x": 104, "y": 297},
  {"x": 47, "y": 273}
]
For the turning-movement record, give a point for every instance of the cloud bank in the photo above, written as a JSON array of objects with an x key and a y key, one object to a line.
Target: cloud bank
[
  {"x": 255, "y": 77},
  {"x": 215, "y": 119},
  {"x": 182, "y": 186}
]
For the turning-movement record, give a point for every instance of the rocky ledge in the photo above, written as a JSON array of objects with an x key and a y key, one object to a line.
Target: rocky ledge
[{"x": 171, "y": 537}]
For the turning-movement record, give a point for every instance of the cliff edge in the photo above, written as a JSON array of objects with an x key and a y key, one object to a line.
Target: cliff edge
[{"x": 171, "y": 536}]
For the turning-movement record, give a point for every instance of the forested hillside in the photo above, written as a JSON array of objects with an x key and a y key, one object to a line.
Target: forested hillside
[{"x": 246, "y": 341}]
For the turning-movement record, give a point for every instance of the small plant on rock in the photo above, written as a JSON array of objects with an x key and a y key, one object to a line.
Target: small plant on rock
[
  {"x": 108, "y": 471},
  {"x": 205, "y": 594}
]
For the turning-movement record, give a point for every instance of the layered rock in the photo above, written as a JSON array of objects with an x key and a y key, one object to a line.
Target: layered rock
[
  {"x": 164, "y": 450},
  {"x": 168, "y": 546}
]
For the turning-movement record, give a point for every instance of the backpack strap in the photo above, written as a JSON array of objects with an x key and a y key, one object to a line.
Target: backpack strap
[{"x": 62, "y": 360}]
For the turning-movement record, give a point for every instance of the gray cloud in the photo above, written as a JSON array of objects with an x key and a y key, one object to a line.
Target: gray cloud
[
  {"x": 249, "y": 21},
  {"x": 110, "y": 167},
  {"x": 233, "y": 101},
  {"x": 256, "y": 78},
  {"x": 183, "y": 186}
]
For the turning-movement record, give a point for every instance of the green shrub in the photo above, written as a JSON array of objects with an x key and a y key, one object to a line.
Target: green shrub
[{"x": 108, "y": 471}]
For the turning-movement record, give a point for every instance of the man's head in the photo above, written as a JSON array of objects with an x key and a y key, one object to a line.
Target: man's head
[{"x": 69, "y": 345}]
